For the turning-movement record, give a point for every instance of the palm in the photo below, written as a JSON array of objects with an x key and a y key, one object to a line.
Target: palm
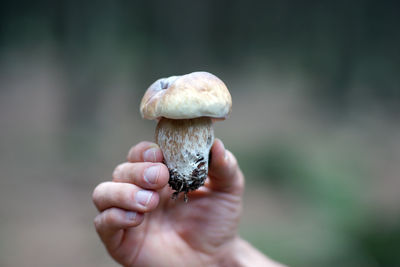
[{"x": 198, "y": 227}]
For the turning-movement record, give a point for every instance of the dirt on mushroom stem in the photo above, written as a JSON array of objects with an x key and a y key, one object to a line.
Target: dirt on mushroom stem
[{"x": 186, "y": 145}]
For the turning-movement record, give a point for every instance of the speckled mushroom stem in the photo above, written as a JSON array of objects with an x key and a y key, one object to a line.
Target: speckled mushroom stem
[{"x": 186, "y": 145}]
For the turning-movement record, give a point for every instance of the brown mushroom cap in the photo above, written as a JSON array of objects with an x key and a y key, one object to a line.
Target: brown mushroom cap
[{"x": 198, "y": 94}]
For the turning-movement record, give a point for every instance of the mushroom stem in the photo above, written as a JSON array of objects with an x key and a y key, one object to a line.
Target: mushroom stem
[{"x": 186, "y": 145}]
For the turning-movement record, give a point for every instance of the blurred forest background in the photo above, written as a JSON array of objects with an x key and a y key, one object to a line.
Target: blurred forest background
[{"x": 316, "y": 94}]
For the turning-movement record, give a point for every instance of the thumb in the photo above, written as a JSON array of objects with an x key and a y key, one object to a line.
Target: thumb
[{"x": 225, "y": 174}]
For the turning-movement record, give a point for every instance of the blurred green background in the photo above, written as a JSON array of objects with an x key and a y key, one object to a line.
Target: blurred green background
[{"x": 316, "y": 94}]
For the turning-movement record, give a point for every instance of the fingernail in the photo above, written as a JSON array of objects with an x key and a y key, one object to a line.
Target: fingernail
[
  {"x": 143, "y": 197},
  {"x": 150, "y": 154},
  {"x": 131, "y": 215},
  {"x": 151, "y": 174}
]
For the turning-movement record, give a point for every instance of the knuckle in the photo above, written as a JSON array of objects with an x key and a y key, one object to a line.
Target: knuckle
[
  {"x": 98, "y": 191},
  {"x": 118, "y": 170},
  {"x": 110, "y": 217},
  {"x": 97, "y": 222},
  {"x": 131, "y": 152}
]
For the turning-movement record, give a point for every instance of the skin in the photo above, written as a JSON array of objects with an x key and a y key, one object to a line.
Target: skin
[{"x": 166, "y": 232}]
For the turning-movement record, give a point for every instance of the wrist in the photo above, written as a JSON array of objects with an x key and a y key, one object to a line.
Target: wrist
[{"x": 243, "y": 254}]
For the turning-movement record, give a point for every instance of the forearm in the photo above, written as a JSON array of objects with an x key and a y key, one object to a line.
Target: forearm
[{"x": 243, "y": 254}]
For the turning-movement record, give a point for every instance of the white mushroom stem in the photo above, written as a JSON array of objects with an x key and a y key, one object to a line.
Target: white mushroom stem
[{"x": 186, "y": 145}]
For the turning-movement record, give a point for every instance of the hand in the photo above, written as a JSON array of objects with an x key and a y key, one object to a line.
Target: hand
[{"x": 202, "y": 232}]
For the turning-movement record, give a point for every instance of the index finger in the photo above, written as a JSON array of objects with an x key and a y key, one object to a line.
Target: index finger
[{"x": 145, "y": 152}]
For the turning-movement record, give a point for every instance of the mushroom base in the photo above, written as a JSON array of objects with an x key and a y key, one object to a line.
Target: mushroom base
[{"x": 186, "y": 148}]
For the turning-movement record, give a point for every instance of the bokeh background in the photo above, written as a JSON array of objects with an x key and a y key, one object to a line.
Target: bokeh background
[{"x": 315, "y": 122}]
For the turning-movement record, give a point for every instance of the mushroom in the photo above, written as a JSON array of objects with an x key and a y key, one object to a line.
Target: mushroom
[{"x": 185, "y": 107}]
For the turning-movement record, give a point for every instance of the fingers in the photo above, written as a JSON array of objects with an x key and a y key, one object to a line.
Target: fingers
[
  {"x": 145, "y": 152},
  {"x": 144, "y": 174},
  {"x": 122, "y": 202},
  {"x": 121, "y": 206},
  {"x": 124, "y": 196},
  {"x": 109, "y": 223},
  {"x": 224, "y": 173}
]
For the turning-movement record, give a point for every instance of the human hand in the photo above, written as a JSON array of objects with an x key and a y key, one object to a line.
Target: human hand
[{"x": 202, "y": 232}]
